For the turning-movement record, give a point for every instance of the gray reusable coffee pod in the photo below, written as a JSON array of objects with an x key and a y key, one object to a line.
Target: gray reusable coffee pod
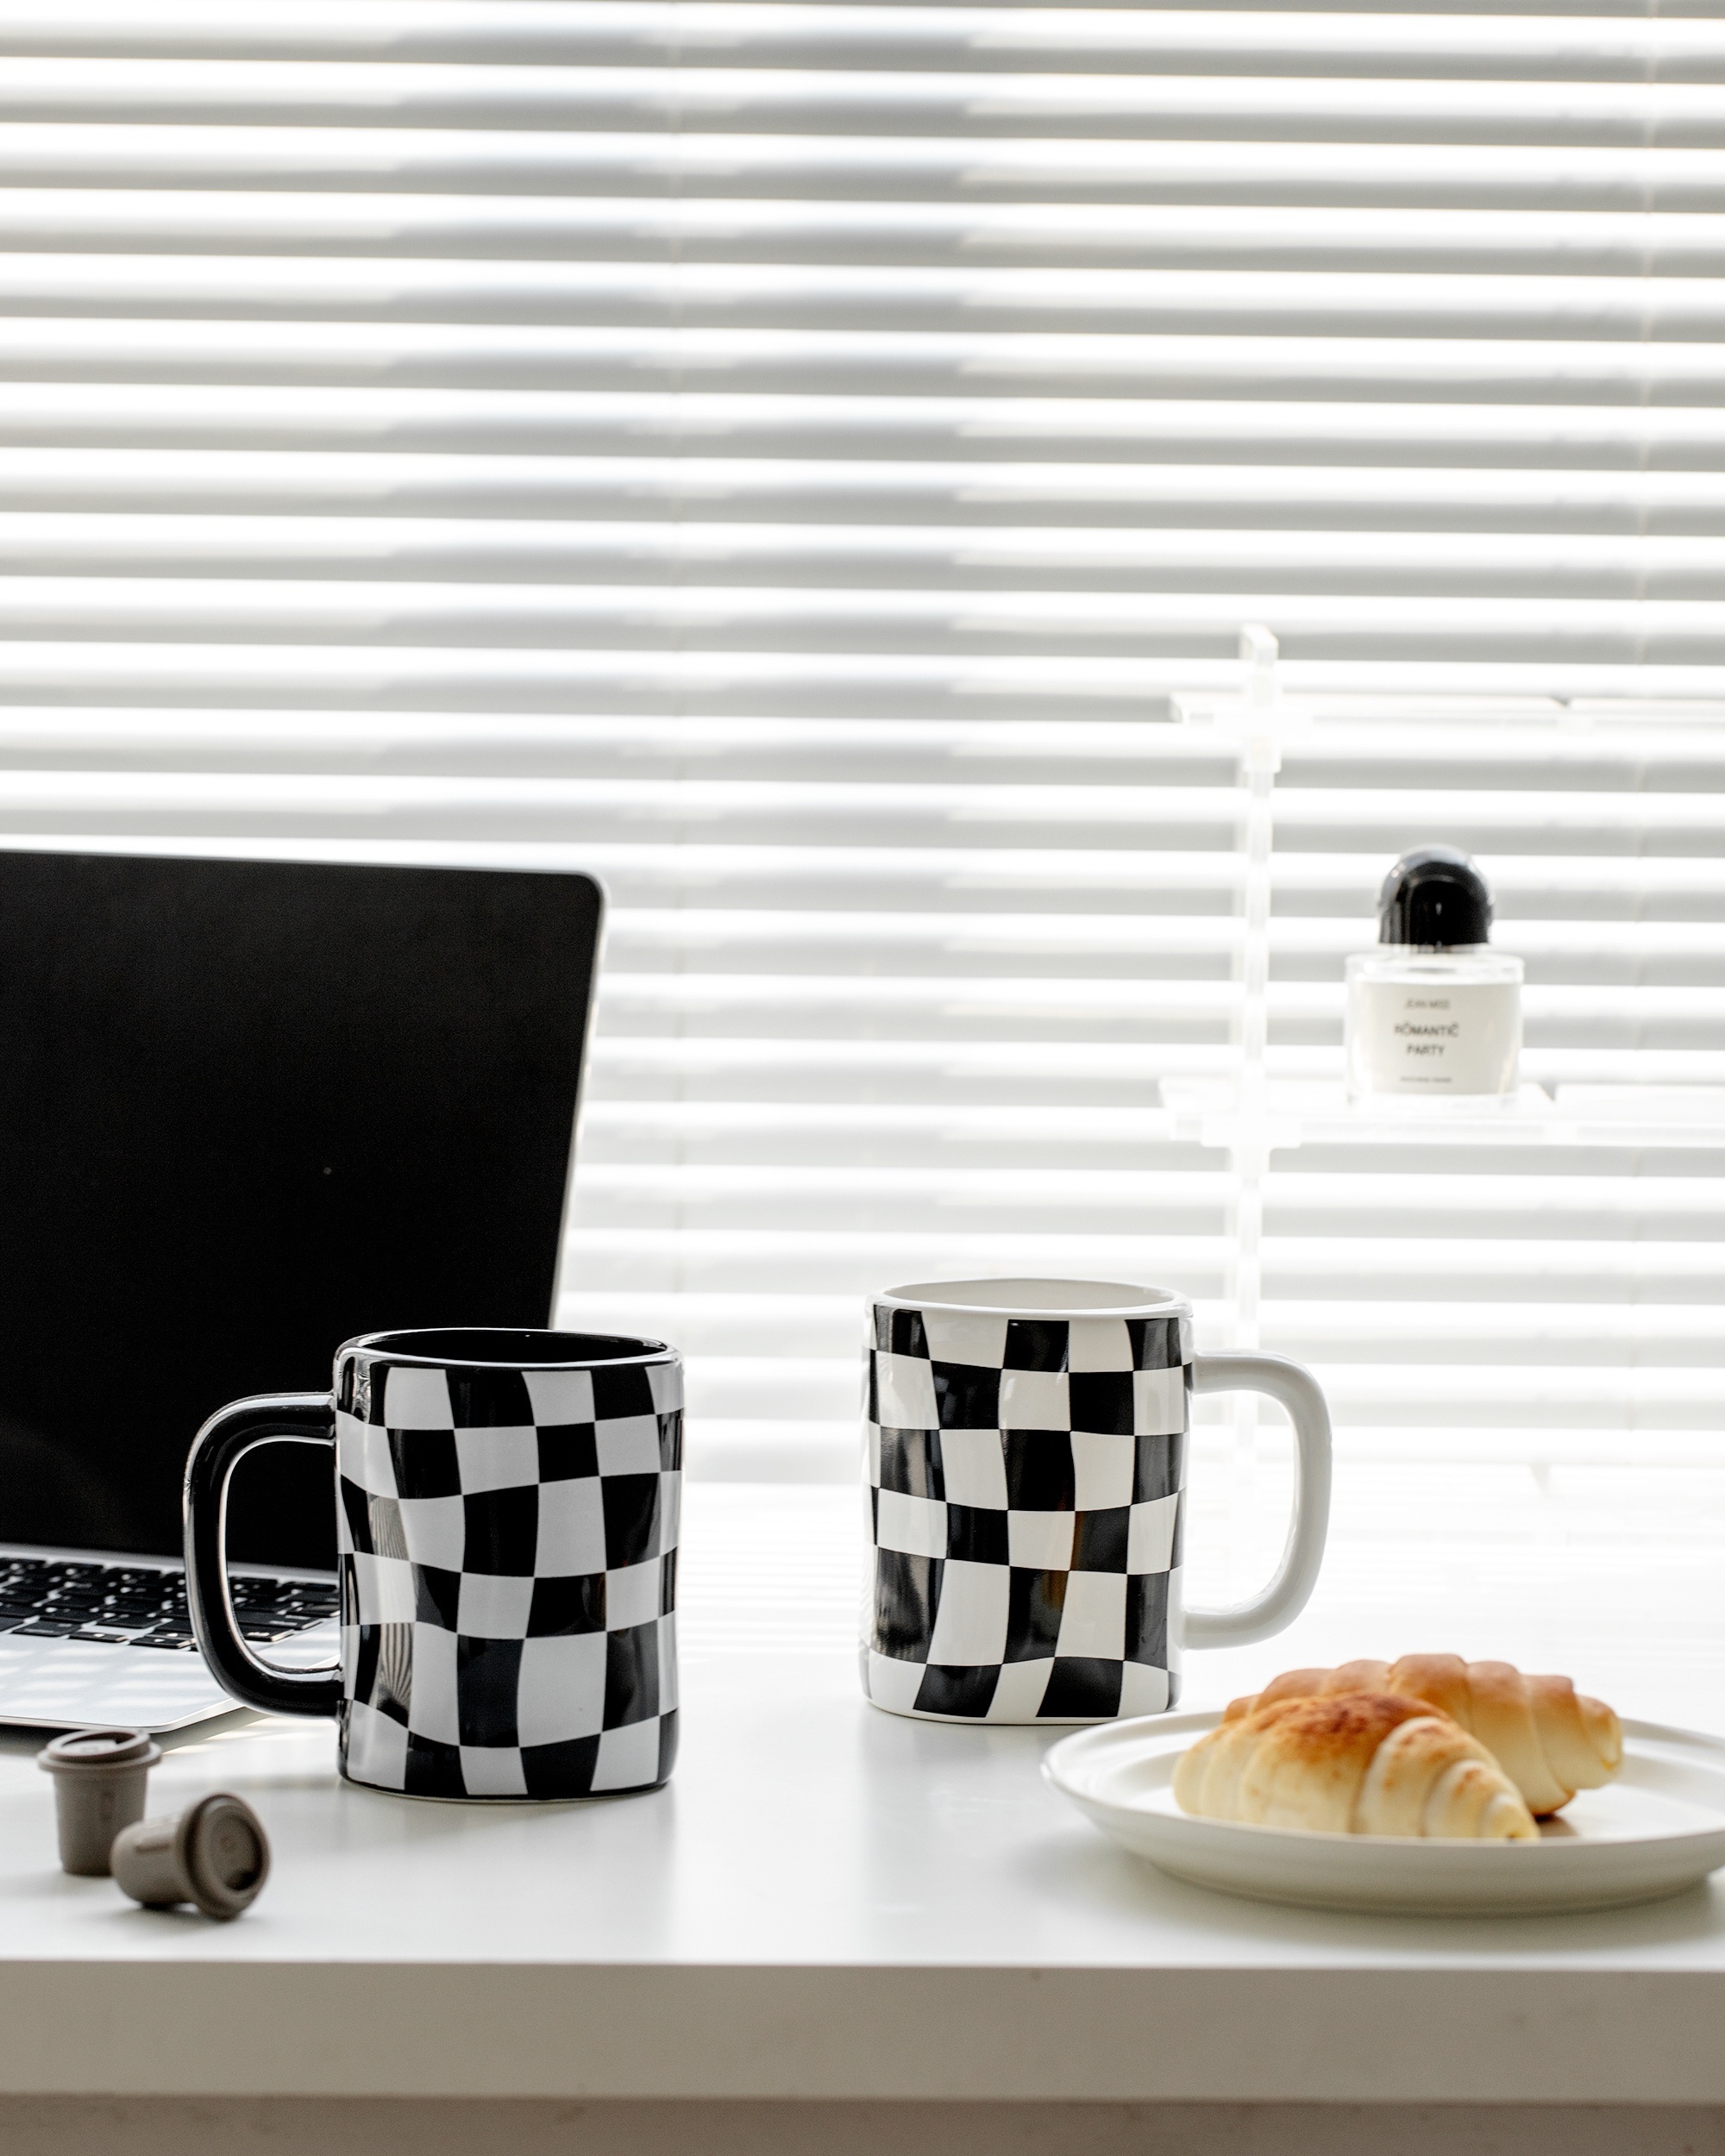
[
  {"x": 99, "y": 1776},
  {"x": 216, "y": 1854}
]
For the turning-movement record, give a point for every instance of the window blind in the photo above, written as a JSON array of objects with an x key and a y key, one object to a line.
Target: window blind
[{"x": 812, "y": 465}]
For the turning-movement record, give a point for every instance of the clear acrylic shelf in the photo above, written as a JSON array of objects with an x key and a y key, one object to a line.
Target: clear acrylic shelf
[{"x": 1290, "y": 1112}]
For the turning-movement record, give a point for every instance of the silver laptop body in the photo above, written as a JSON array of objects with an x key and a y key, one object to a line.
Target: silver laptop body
[{"x": 62, "y": 1665}]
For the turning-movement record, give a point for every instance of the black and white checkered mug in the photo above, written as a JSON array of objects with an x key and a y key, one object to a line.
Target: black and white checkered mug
[
  {"x": 506, "y": 1508},
  {"x": 1027, "y": 1470}
]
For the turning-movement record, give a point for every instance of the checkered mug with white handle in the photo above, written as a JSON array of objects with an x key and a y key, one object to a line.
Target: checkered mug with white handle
[
  {"x": 507, "y": 1505},
  {"x": 1027, "y": 1491}
]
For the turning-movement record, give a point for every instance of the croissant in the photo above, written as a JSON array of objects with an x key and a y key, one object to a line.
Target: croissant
[
  {"x": 1549, "y": 1738},
  {"x": 1352, "y": 1763}
]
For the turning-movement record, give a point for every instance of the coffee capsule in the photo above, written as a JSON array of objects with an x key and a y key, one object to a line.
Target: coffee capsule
[
  {"x": 216, "y": 1854},
  {"x": 99, "y": 1778}
]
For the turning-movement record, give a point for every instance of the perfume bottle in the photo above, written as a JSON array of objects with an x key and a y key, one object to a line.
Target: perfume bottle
[{"x": 1434, "y": 1010}]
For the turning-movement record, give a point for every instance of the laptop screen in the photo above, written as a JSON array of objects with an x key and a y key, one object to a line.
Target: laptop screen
[{"x": 247, "y": 1110}]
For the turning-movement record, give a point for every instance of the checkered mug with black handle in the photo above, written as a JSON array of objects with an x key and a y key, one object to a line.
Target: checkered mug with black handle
[
  {"x": 1027, "y": 1447},
  {"x": 507, "y": 1517}
]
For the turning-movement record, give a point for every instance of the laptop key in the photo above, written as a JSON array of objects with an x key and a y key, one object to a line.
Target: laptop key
[{"x": 137, "y": 1606}]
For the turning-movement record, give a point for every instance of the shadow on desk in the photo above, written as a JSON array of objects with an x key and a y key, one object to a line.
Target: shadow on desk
[
  {"x": 1092, "y": 1871},
  {"x": 376, "y": 2126}
]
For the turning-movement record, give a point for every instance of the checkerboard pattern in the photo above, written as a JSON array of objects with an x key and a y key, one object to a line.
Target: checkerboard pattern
[
  {"x": 508, "y": 1565},
  {"x": 1025, "y": 1497}
]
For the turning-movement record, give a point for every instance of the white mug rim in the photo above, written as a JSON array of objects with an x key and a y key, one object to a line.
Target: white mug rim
[{"x": 1049, "y": 1300}]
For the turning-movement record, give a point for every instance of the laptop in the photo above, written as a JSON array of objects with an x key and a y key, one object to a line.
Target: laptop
[{"x": 247, "y": 1109}]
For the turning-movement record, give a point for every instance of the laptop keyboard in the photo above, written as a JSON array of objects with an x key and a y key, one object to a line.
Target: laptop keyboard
[{"x": 141, "y": 1606}]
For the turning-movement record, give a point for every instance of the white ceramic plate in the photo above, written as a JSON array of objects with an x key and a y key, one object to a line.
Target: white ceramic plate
[{"x": 1658, "y": 1828}]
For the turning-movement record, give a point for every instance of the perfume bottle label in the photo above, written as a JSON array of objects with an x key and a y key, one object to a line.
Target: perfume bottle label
[{"x": 1460, "y": 1037}]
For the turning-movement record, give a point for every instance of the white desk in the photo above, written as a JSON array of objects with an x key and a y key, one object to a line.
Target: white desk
[{"x": 827, "y": 1903}]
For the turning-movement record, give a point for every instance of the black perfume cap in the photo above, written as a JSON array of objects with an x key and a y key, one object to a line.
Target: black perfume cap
[{"x": 1436, "y": 897}]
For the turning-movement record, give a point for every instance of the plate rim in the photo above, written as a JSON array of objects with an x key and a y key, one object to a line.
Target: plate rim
[{"x": 1434, "y": 1849}]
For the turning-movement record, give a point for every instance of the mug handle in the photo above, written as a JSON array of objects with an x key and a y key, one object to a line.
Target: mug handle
[
  {"x": 217, "y": 1450},
  {"x": 1296, "y": 1389}
]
